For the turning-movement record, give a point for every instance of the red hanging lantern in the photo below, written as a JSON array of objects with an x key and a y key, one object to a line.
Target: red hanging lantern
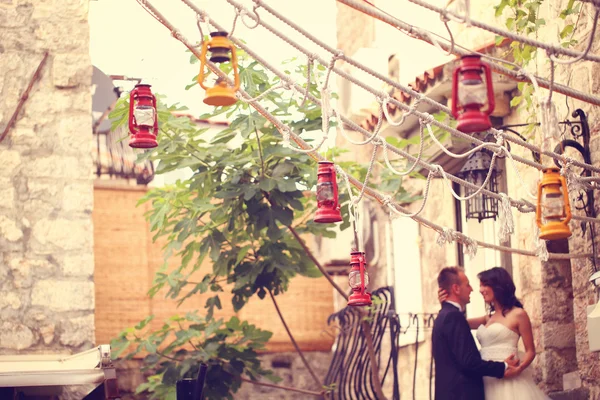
[
  {"x": 358, "y": 279},
  {"x": 327, "y": 194},
  {"x": 143, "y": 124},
  {"x": 470, "y": 95}
]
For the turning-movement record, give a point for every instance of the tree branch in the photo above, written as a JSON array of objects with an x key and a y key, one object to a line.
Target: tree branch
[
  {"x": 262, "y": 161},
  {"x": 312, "y": 373},
  {"x": 317, "y": 263},
  {"x": 281, "y": 387}
]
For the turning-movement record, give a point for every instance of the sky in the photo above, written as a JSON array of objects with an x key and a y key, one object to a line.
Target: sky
[{"x": 126, "y": 40}]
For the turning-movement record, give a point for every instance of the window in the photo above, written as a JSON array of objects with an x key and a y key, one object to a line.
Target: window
[
  {"x": 485, "y": 231},
  {"x": 405, "y": 272}
]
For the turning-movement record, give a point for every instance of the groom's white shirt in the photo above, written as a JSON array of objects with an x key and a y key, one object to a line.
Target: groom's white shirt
[{"x": 461, "y": 310}]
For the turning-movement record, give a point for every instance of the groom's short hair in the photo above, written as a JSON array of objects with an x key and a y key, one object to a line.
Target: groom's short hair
[{"x": 449, "y": 276}]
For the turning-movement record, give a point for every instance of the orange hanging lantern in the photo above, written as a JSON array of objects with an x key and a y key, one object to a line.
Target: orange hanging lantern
[
  {"x": 221, "y": 50},
  {"x": 358, "y": 279},
  {"x": 553, "y": 207},
  {"x": 470, "y": 95},
  {"x": 143, "y": 124},
  {"x": 328, "y": 206}
]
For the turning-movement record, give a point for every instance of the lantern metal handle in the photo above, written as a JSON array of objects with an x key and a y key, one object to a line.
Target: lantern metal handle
[
  {"x": 132, "y": 96},
  {"x": 563, "y": 184},
  {"x": 202, "y": 64},
  {"x": 234, "y": 62},
  {"x": 336, "y": 204},
  {"x": 490, "y": 88}
]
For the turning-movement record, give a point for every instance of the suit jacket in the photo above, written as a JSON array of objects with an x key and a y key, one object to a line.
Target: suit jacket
[{"x": 458, "y": 365}]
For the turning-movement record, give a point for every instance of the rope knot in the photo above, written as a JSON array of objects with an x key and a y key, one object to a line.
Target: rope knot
[
  {"x": 437, "y": 171},
  {"x": 387, "y": 199},
  {"x": 287, "y": 83},
  {"x": 445, "y": 236},
  {"x": 426, "y": 118},
  {"x": 176, "y": 34},
  {"x": 525, "y": 207}
]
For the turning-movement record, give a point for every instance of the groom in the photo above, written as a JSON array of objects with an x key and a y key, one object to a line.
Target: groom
[{"x": 458, "y": 365}]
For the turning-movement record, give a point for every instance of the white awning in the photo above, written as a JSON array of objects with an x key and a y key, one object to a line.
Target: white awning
[{"x": 54, "y": 370}]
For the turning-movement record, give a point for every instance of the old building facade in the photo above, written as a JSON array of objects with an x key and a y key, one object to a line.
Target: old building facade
[
  {"x": 46, "y": 189},
  {"x": 556, "y": 294}
]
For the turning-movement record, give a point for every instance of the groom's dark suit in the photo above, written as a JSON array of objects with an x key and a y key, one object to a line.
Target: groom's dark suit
[{"x": 458, "y": 365}]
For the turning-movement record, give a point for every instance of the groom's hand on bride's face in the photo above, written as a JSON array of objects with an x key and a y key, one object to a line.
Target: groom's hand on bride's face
[{"x": 442, "y": 295}]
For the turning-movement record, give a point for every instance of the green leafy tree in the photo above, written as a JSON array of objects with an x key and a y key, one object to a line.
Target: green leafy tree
[
  {"x": 244, "y": 207},
  {"x": 523, "y": 19}
]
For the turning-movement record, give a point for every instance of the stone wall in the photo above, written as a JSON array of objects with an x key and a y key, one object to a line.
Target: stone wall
[{"x": 46, "y": 198}]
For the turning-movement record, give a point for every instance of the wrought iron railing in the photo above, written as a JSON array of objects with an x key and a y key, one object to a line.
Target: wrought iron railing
[
  {"x": 349, "y": 375},
  {"x": 114, "y": 159}
]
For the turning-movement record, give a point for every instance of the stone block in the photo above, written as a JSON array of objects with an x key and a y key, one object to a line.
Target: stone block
[
  {"x": 7, "y": 194},
  {"x": 72, "y": 37},
  {"x": 11, "y": 300},
  {"x": 47, "y": 333},
  {"x": 15, "y": 336},
  {"x": 25, "y": 137},
  {"x": 11, "y": 161},
  {"x": 557, "y": 305},
  {"x": 558, "y": 335},
  {"x": 78, "y": 265},
  {"x": 73, "y": 10},
  {"x": 44, "y": 189},
  {"x": 25, "y": 269},
  {"x": 571, "y": 380},
  {"x": 55, "y": 166},
  {"x": 78, "y": 197},
  {"x": 77, "y": 331},
  {"x": 16, "y": 17},
  {"x": 75, "y": 134},
  {"x": 64, "y": 234},
  {"x": 39, "y": 209},
  {"x": 62, "y": 295},
  {"x": 71, "y": 70},
  {"x": 575, "y": 394},
  {"x": 9, "y": 230}
]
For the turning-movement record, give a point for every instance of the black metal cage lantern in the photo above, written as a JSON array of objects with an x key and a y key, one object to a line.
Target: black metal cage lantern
[{"x": 475, "y": 171}]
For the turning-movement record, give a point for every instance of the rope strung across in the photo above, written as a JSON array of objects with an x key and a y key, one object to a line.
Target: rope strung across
[{"x": 457, "y": 236}]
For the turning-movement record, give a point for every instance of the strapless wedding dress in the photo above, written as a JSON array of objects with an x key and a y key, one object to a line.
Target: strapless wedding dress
[{"x": 498, "y": 342}]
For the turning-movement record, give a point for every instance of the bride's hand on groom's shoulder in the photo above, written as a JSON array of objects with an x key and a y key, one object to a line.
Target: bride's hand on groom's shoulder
[{"x": 442, "y": 295}]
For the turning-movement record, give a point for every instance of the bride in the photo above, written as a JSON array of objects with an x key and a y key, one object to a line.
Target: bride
[{"x": 498, "y": 334}]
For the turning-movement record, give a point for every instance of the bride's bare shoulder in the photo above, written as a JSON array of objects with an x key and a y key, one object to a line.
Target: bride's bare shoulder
[{"x": 519, "y": 313}]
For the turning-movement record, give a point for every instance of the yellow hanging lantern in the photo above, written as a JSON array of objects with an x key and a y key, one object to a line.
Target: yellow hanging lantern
[
  {"x": 222, "y": 50},
  {"x": 553, "y": 207}
]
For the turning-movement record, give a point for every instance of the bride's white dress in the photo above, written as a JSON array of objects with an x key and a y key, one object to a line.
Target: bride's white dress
[{"x": 497, "y": 343}]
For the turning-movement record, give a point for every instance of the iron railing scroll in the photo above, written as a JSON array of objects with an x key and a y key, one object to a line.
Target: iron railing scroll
[{"x": 349, "y": 376}]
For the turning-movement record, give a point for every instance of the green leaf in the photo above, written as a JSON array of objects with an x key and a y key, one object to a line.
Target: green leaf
[
  {"x": 242, "y": 253},
  {"x": 567, "y": 30}
]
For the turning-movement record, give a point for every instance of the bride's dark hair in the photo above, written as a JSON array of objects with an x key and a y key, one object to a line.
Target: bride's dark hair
[{"x": 503, "y": 287}]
